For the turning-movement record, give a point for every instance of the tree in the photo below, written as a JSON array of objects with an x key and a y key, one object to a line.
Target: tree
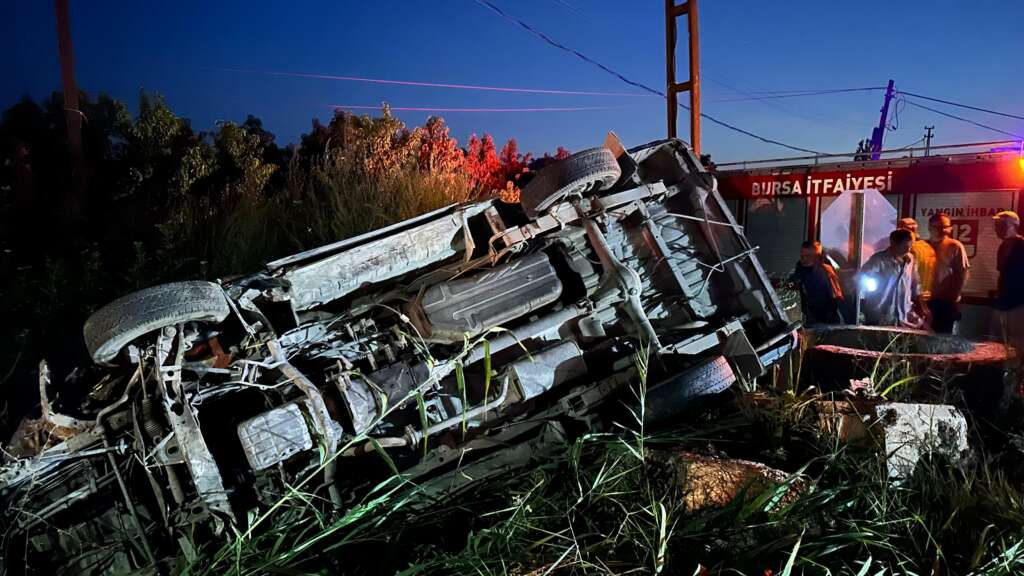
[
  {"x": 240, "y": 158},
  {"x": 540, "y": 163},
  {"x": 483, "y": 166},
  {"x": 439, "y": 153},
  {"x": 512, "y": 163},
  {"x": 155, "y": 142},
  {"x": 513, "y": 166}
]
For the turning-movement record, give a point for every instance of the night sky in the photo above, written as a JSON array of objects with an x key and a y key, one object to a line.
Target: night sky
[{"x": 971, "y": 52}]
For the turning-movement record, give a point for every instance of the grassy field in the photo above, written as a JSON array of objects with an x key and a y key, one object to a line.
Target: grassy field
[{"x": 614, "y": 503}]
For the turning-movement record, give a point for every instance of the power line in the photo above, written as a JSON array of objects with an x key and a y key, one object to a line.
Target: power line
[
  {"x": 975, "y": 108},
  {"x": 912, "y": 144},
  {"x": 769, "y": 100},
  {"x": 482, "y": 110},
  {"x": 809, "y": 90},
  {"x": 560, "y": 46},
  {"x": 642, "y": 86},
  {"x": 775, "y": 96},
  {"x": 752, "y": 135},
  {"x": 430, "y": 84},
  {"x": 948, "y": 115}
]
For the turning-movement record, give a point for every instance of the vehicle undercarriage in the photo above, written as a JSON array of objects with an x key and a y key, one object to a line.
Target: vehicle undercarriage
[{"x": 445, "y": 341}]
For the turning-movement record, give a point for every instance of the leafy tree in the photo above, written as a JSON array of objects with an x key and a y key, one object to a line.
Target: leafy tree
[
  {"x": 439, "y": 153},
  {"x": 512, "y": 162},
  {"x": 483, "y": 165},
  {"x": 513, "y": 166},
  {"x": 240, "y": 158},
  {"x": 155, "y": 142}
]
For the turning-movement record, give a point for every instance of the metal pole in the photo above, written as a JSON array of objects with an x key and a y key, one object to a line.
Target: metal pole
[
  {"x": 928, "y": 140},
  {"x": 878, "y": 135},
  {"x": 693, "y": 21},
  {"x": 856, "y": 246}
]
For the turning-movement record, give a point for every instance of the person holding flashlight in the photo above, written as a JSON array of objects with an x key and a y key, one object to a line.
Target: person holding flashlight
[{"x": 889, "y": 284}]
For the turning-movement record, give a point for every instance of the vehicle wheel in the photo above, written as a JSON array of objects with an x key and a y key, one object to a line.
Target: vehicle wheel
[
  {"x": 585, "y": 171},
  {"x": 668, "y": 398},
  {"x": 112, "y": 327}
]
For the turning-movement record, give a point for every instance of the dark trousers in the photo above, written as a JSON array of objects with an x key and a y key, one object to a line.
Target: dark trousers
[
  {"x": 944, "y": 315},
  {"x": 822, "y": 313}
]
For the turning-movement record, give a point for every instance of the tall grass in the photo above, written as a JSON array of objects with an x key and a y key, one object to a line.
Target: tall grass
[
  {"x": 603, "y": 511},
  {"x": 331, "y": 200},
  {"x": 613, "y": 503},
  {"x": 336, "y": 200}
]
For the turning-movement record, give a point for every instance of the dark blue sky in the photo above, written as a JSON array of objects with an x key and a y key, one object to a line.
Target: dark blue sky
[{"x": 954, "y": 49}]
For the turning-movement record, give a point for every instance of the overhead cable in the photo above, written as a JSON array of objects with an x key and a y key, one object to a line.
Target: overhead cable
[
  {"x": 978, "y": 124},
  {"x": 642, "y": 86},
  {"x": 481, "y": 110},
  {"x": 959, "y": 105},
  {"x": 774, "y": 96},
  {"x": 432, "y": 84}
]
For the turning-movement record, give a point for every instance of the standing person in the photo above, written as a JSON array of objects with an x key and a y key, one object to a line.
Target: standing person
[
  {"x": 949, "y": 275},
  {"x": 1010, "y": 292},
  {"x": 820, "y": 293},
  {"x": 889, "y": 284},
  {"x": 924, "y": 255}
]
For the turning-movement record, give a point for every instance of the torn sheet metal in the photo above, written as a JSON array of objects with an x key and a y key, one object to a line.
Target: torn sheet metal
[{"x": 336, "y": 276}]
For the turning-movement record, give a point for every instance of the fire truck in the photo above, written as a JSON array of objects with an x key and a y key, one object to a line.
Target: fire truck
[{"x": 784, "y": 201}]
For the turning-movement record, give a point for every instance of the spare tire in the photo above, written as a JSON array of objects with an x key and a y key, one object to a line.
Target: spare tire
[
  {"x": 112, "y": 327},
  {"x": 585, "y": 171},
  {"x": 667, "y": 399}
]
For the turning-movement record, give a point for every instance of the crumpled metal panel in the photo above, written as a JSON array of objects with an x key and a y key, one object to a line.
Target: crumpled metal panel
[
  {"x": 389, "y": 257},
  {"x": 548, "y": 369},
  {"x": 274, "y": 436},
  {"x": 359, "y": 402},
  {"x": 468, "y": 306}
]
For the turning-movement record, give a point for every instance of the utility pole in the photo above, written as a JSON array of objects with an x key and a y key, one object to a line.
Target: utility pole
[
  {"x": 72, "y": 115},
  {"x": 878, "y": 134},
  {"x": 672, "y": 13},
  {"x": 928, "y": 139}
]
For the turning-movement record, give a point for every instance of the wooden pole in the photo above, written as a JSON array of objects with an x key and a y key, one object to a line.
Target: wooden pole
[
  {"x": 670, "y": 66},
  {"x": 692, "y": 21},
  {"x": 75, "y": 201},
  {"x": 672, "y": 13}
]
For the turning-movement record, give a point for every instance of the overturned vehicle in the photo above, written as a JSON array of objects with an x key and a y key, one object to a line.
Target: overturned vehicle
[{"x": 428, "y": 346}]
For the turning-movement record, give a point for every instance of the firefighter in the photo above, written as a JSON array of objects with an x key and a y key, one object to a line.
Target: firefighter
[
  {"x": 924, "y": 256},
  {"x": 820, "y": 293},
  {"x": 1009, "y": 300},
  {"x": 889, "y": 284},
  {"x": 949, "y": 275}
]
